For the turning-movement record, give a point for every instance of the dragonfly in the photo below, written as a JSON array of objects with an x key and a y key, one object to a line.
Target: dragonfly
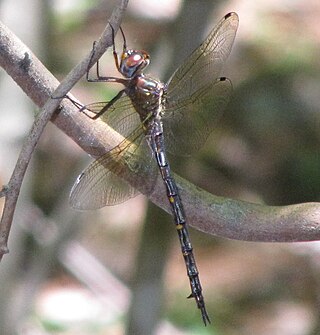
[{"x": 154, "y": 118}]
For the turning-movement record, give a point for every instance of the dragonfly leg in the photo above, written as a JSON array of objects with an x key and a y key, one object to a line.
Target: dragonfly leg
[
  {"x": 115, "y": 54},
  {"x": 72, "y": 100},
  {"x": 90, "y": 62},
  {"x": 85, "y": 109},
  {"x": 100, "y": 78},
  {"x": 124, "y": 47},
  {"x": 108, "y": 105}
]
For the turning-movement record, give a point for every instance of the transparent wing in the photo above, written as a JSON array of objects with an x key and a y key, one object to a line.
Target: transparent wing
[
  {"x": 106, "y": 180},
  {"x": 187, "y": 130},
  {"x": 121, "y": 116},
  {"x": 116, "y": 176},
  {"x": 97, "y": 187},
  {"x": 204, "y": 65},
  {"x": 195, "y": 95}
]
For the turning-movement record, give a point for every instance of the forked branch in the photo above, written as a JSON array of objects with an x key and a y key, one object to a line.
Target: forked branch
[
  {"x": 30, "y": 74},
  {"x": 214, "y": 215}
]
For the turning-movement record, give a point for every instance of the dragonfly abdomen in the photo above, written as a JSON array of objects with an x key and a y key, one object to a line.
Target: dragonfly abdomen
[{"x": 156, "y": 141}]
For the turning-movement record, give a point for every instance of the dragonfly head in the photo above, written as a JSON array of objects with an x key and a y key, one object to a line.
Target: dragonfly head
[{"x": 133, "y": 62}]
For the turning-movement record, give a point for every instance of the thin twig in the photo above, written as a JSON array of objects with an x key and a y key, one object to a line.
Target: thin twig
[
  {"x": 214, "y": 215},
  {"x": 25, "y": 65}
]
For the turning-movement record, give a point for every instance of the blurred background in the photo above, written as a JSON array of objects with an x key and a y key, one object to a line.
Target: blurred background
[{"x": 119, "y": 270}]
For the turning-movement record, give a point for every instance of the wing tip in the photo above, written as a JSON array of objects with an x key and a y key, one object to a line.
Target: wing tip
[
  {"x": 224, "y": 80},
  {"x": 231, "y": 14},
  {"x": 233, "y": 19}
]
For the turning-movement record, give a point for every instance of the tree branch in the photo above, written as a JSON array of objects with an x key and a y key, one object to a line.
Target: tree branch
[
  {"x": 21, "y": 64},
  {"x": 206, "y": 212}
]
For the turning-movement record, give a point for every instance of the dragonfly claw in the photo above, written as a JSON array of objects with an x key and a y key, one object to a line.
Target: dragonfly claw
[{"x": 204, "y": 314}]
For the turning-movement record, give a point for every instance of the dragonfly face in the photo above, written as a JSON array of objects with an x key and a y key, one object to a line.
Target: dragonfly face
[
  {"x": 146, "y": 94},
  {"x": 133, "y": 62}
]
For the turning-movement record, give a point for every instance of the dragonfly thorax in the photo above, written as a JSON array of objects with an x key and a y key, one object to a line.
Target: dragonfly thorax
[
  {"x": 148, "y": 86},
  {"x": 133, "y": 62},
  {"x": 147, "y": 96}
]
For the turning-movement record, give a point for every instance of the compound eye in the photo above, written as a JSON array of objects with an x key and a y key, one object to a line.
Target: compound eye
[{"x": 134, "y": 60}]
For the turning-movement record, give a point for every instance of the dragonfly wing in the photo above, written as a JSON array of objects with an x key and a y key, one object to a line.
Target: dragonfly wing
[
  {"x": 116, "y": 176},
  {"x": 97, "y": 187},
  {"x": 195, "y": 95},
  {"x": 121, "y": 115},
  {"x": 204, "y": 65},
  {"x": 187, "y": 125}
]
